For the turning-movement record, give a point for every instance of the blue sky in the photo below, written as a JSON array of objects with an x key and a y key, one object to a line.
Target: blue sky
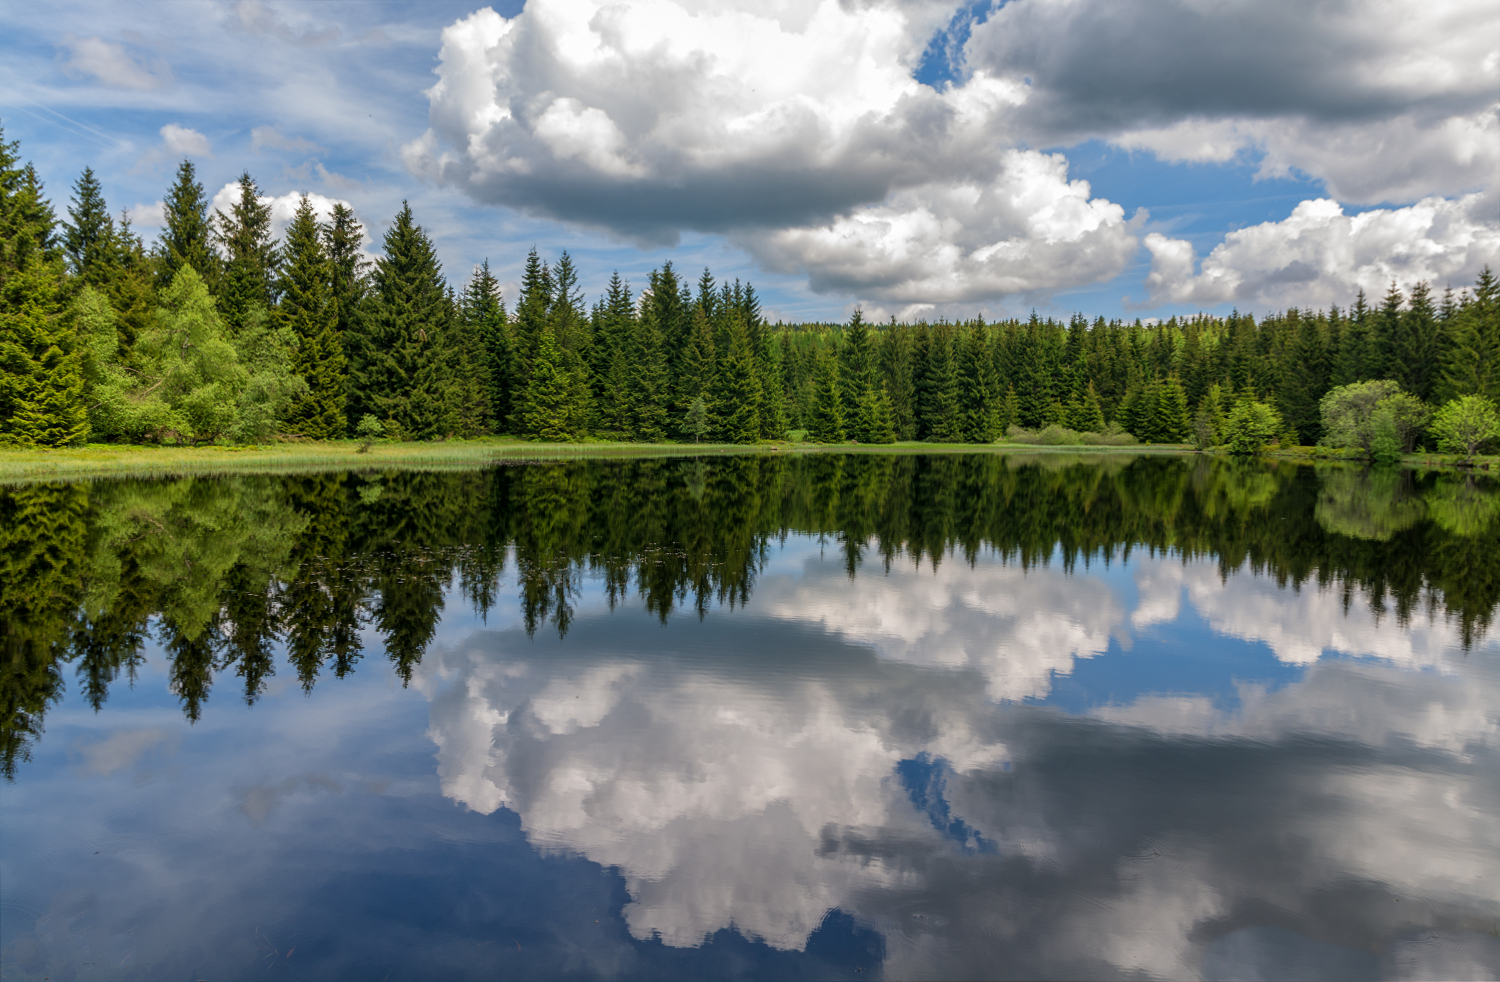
[{"x": 915, "y": 158}]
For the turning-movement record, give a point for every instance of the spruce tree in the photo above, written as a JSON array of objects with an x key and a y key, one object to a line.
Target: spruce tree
[
  {"x": 614, "y": 340},
  {"x": 250, "y": 256},
  {"x": 1089, "y": 416},
  {"x": 343, "y": 236},
  {"x": 856, "y": 362},
  {"x": 827, "y": 423},
  {"x": 773, "y": 415},
  {"x": 89, "y": 236},
  {"x": 186, "y": 240},
  {"x": 1471, "y": 364},
  {"x": 549, "y": 402},
  {"x": 396, "y": 372},
  {"x": 944, "y": 406},
  {"x": 1418, "y": 360},
  {"x": 979, "y": 396},
  {"x": 307, "y": 309},
  {"x": 700, "y": 367},
  {"x": 483, "y": 312},
  {"x": 736, "y": 393},
  {"x": 41, "y": 380},
  {"x": 650, "y": 385},
  {"x": 1170, "y": 422}
]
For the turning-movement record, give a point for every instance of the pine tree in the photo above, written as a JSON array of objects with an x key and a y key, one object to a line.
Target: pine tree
[
  {"x": 89, "y": 237},
  {"x": 41, "y": 381},
  {"x": 979, "y": 396},
  {"x": 650, "y": 385},
  {"x": 1304, "y": 378},
  {"x": 699, "y": 367},
  {"x": 186, "y": 241},
  {"x": 1471, "y": 365},
  {"x": 400, "y": 352},
  {"x": 1420, "y": 353},
  {"x": 1169, "y": 421},
  {"x": 485, "y": 319},
  {"x": 307, "y": 309},
  {"x": 1389, "y": 328},
  {"x": 614, "y": 339},
  {"x": 773, "y": 414},
  {"x": 944, "y": 406},
  {"x": 856, "y": 363},
  {"x": 549, "y": 402},
  {"x": 251, "y": 257},
  {"x": 1088, "y": 417},
  {"x": 343, "y": 235},
  {"x": 736, "y": 393},
  {"x": 827, "y": 423}
]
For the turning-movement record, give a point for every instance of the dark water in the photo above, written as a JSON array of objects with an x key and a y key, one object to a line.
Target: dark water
[{"x": 755, "y": 717}]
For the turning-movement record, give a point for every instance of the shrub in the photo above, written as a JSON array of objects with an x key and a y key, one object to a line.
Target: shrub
[
  {"x": 1464, "y": 425},
  {"x": 1251, "y": 425}
]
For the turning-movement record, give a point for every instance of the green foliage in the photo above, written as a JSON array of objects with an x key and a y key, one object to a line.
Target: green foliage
[
  {"x": 1398, "y": 421},
  {"x": 1250, "y": 426},
  {"x": 1471, "y": 362},
  {"x": 1349, "y": 413},
  {"x": 696, "y": 420},
  {"x": 398, "y": 354},
  {"x": 185, "y": 242},
  {"x": 369, "y": 430},
  {"x": 827, "y": 423},
  {"x": 308, "y": 313},
  {"x": 1466, "y": 424},
  {"x": 248, "y": 277}
]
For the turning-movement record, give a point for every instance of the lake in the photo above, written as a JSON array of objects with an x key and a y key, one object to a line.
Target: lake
[{"x": 827, "y": 716}]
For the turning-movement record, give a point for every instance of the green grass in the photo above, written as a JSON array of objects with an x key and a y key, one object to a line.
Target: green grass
[{"x": 103, "y": 460}]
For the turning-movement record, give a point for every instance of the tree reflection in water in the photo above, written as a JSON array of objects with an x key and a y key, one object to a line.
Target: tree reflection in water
[{"x": 221, "y": 569}]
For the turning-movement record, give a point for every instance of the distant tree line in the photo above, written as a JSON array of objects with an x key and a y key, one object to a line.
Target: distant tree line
[{"x": 219, "y": 332}]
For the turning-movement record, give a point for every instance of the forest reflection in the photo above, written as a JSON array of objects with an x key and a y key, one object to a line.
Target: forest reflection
[{"x": 220, "y": 570}]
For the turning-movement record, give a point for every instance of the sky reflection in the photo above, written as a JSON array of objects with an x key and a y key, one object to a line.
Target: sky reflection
[{"x": 924, "y": 771}]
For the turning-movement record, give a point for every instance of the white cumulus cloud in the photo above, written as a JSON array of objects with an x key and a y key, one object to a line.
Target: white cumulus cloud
[
  {"x": 283, "y": 207},
  {"x": 1319, "y": 255}
]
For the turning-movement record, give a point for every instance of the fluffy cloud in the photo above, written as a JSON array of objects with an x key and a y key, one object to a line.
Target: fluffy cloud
[
  {"x": 283, "y": 207},
  {"x": 112, "y": 65},
  {"x": 1030, "y": 230},
  {"x": 1319, "y": 255},
  {"x": 184, "y": 141},
  {"x": 798, "y": 129},
  {"x": 1386, "y": 101}
]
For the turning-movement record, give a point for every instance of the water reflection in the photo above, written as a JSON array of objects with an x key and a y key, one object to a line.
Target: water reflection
[{"x": 919, "y": 717}]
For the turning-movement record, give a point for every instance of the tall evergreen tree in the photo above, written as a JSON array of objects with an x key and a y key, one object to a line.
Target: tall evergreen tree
[
  {"x": 485, "y": 319},
  {"x": 979, "y": 399},
  {"x": 736, "y": 394},
  {"x": 1418, "y": 359},
  {"x": 89, "y": 236},
  {"x": 244, "y": 236},
  {"x": 187, "y": 238},
  {"x": 41, "y": 380},
  {"x": 827, "y": 423},
  {"x": 1471, "y": 365},
  {"x": 343, "y": 237},
  {"x": 400, "y": 354},
  {"x": 307, "y": 309}
]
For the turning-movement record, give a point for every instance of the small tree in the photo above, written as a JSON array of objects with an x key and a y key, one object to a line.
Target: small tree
[
  {"x": 1397, "y": 422},
  {"x": 1349, "y": 413},
  {"x": 1465, "y": 424},
  {"x": 696, "y": 419},
  {"x": 1251, "y": 425},
  {"x": 369, "y": 430}
]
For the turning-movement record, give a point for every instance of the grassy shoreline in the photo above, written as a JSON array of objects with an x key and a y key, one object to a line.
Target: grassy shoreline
[{"x": 108, "y": 460}]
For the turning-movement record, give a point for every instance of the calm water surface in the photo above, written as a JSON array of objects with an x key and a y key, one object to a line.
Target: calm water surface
[{"x": 754, "y": 717}]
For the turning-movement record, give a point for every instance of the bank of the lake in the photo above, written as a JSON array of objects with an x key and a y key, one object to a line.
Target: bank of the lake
[
  {"x": 315, "y": 455},
  {"x": 98, "y": 460}
]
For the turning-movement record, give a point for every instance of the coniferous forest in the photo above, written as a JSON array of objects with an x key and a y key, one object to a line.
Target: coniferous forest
[{"x": 218, "y": 332}]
